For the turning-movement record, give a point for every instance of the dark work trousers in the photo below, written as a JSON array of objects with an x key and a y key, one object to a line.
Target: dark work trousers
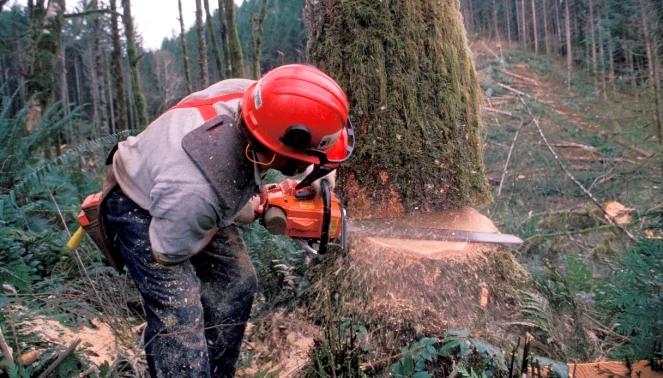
[{"x": 196, "y": 310}]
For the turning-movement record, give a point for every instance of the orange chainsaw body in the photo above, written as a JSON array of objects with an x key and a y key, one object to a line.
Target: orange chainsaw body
[{"x": 303, "y": 208}]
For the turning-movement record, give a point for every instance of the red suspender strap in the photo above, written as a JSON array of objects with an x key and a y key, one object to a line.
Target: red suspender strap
[{"x": 206, "y": 105}]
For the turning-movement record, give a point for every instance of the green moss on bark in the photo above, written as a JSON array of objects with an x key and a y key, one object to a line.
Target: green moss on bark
[{"x": 415, "y": 99}]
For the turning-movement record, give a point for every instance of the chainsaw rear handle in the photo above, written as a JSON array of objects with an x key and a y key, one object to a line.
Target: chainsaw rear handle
[{"x": 326, "y": 215}]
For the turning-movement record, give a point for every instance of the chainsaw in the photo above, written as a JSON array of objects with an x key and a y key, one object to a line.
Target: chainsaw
[
  {"x": 312, "y": 218},
  {"x": 299, "y": 211}
]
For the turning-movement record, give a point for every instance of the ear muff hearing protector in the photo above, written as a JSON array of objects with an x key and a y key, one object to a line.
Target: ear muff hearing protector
[{"x": 297, "y": 137}]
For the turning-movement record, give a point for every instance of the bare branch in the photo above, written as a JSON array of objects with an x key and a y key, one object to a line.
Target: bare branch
[
  {"x": 589, "y": 194},
  {"x": 91, "y": 12}
]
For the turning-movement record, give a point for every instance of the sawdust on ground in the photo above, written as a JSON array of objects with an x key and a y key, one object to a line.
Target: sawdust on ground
[
  {"x": 98, "y": 343},
  {"x": 279, "y": 344}
]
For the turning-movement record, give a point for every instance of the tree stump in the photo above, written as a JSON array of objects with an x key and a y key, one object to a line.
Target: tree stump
[{"x": 406, "y": 289}]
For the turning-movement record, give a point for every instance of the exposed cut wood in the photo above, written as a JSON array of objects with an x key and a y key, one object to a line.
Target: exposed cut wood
[
  {"x": 427, "y": 286},
  {"x": 606, "y": 369}
]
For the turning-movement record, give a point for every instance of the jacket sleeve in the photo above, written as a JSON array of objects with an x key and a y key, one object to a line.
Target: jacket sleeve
[{"x": 184, "y": 220}]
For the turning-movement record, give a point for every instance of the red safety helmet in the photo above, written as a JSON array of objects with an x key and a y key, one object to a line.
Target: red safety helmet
[{"x": 299, "y": 112}]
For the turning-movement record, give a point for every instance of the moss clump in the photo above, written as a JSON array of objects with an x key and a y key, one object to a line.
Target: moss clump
[{"x": 414, "y": 95}]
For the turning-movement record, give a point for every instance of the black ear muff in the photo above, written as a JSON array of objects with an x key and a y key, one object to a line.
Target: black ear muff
[{"x": 297, "y": 137}]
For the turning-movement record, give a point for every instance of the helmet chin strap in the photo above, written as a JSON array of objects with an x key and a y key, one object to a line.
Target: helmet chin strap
[{"x": 254, "y": 159}]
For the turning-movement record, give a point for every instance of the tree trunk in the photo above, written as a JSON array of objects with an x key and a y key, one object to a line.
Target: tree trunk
[
  {"x": 495, "y": 24},
  {"x": 592, "y": 44},
  {"x": 558, "y": 27},
  {"x": 212, "y": 40},
  {"x": 569, "y": 47},
  {"x": 202, "y": 46},
  {"x": 602, "y": 64},
  {"x": 523, "y": 21},
  {"x": 118, "y": 72},
  {"x": 546, "y": 31},
  {"x": 407, "y": 87},
  {"x": 132, "y": 54},
  {"x": 258, "y": 31},
  {"x": 99, "y": 63},
  {"x": 535, "y": 28},
  {"x": 185, "y": 52},
  {"x": 415, "y": 104},
  {"x": 508, "y": 21},
  {"x": 652, "y": 63},
  {"x": 234, "y": 46},
  {"x": 224, "y": 36},
  {"x": 44, "y": 43}
]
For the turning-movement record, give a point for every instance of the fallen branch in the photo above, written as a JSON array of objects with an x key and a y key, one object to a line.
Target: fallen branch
[
  {"x": 493, "y": 110},
  {"x": 6, "y": 351},
  {"x": 508, "y": 158},
  {"x": 589, "y": 194},
  {"x": 60, "y": 359},
  {"x": 521, "y": 77},
  {"x": 575, "y": 145}
]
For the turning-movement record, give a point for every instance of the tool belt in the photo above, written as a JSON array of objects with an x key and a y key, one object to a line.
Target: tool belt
[{"x": 92, "y": 220}]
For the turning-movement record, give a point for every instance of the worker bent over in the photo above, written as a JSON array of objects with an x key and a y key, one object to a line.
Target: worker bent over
[{"x": 184, "y": 183}]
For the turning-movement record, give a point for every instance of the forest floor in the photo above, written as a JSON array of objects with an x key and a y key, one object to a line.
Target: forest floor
[{"x": 612, "y": 158}]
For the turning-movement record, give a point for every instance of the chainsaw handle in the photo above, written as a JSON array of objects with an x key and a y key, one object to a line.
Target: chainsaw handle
[{"x": 326, "y": 215}]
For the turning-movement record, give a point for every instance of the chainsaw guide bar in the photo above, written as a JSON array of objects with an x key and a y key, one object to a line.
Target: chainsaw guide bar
[{"x": 387, "y": 229}]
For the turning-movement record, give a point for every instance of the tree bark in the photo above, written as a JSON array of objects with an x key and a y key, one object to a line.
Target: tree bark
[
  {"x": 257, "y": 33},
  {"x": 508, "y": 22},
  {"x": 416, "y": 92},
  {"x": 546, "y": 30},
  {"x": 202, "y": 46},
  {"x": 651, "y": 44},
  {"x": 569, "y": 46},
  {"x": 118, "y": 73},
  {"x": 495, "y": 24},
  {"x": 592, "y": 44},
  {"x": 212, "y": 40},
  {"x": 234, "y": 46},
  {"x": 44, "y": 43},
  {"x": 523, "y": 21},
  {"x": 132, "y": 54},
  {"x": 535, "y": 28},
  {"x": 185, "y": 52},
  {"x": 224, "y": 36},
  {"x": 99, "y": 63}
]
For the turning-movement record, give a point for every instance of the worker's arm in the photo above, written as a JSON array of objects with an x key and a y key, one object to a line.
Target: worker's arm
[{"x": 184, "y": 219}]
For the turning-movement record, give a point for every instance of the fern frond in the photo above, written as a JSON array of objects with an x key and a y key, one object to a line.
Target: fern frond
[{"x": 35, "y": 178}]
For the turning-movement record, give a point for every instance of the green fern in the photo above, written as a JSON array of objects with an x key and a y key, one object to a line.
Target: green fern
[{"x": 633, "y": 300}]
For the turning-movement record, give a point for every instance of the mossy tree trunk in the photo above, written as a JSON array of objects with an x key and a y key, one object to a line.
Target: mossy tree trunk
[
  {"x": 212, "y": 40},
  {"x": 257, "y": 32},
  {"x": 234, "y": 46},
  {"x": 132, "y": 53},
  {"x": 202, "y": 46},
  {"x": 118, "y": 72},
  {"x": 47, "y": 19},
  {"x": 415, "y": 102},
  {"x": 185, "y": 52},
  {"x": 224, "y": 36}
]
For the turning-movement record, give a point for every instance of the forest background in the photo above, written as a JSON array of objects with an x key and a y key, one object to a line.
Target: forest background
[{"x": 584, "y": 73}]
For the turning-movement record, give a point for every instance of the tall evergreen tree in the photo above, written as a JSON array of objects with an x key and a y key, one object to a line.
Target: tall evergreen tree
[
  {"x": 132, "y": 54},
  {"x": 185, "y": 52}
]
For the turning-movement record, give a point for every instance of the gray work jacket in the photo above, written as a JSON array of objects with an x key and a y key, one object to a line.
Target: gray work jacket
[{"x": 155, "y": 171}]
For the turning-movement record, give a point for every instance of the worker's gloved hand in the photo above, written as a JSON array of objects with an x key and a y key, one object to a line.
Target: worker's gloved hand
[
  {"x": 247, "y": 214},
  {"x": 330, "y": 177}
]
